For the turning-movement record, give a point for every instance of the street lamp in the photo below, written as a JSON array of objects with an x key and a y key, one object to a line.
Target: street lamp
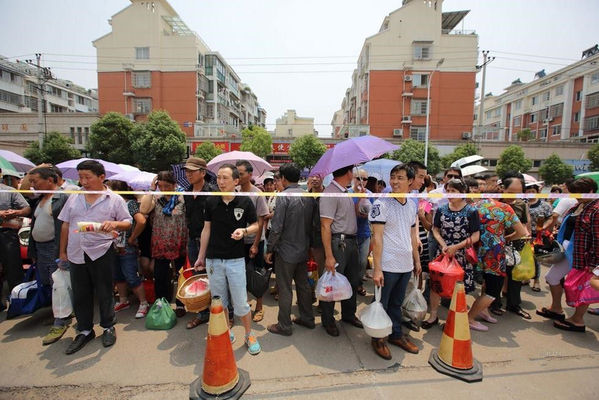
[{"x": 428, "y": 110}]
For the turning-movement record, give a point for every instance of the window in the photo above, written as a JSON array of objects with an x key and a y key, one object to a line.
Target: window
[
  {"x": 290, "y": 132},
  {"x": 419, "y": 80},
  {"x": 79, "y": 132},
  {"x": 576, "y": 116},
  {"x": 544, "y": 114},
  {"x": 518, "y": 105},
  {"x": 142, "y": 53},
  {"x": 579, "y": 95},
  {"x": 536, "y": 163},
  {"x": 488, "y": 115},
  {"x": 418, "y": 133},
  {"x": 142, "y": 79},
  {"x": 556, "y": 130},
  {"x": 517, "y": 120},
  {"x": 534, "y": 100},
  {"x": 142, "y": 106},
  {"x": 559, "y": 90},
  {"x": 542, "y": 133},
  {"x": 546, "y": 95},
  {"x": 556, "y": 110},
  {"x": 419, "y": 107},
  {"x": 533, "y": 117},
  {"x": 593, "y": 100},
  {"x": 9, "y": 97},
  {"x": 492, "y": 163},
  {"x": 591, "y": 123},
  {"x": 422, "y": 51},
  {"x": 497, "y": 112},
  {"x": 73, "y": 133},
  {"x": 595, "y": 78}
]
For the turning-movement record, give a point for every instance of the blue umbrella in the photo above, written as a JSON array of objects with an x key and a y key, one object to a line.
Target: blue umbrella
[{"x": 380, "y": 168}]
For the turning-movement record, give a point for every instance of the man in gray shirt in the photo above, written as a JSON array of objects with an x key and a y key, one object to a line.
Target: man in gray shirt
[
  {"x": 289, "y": 240},
  {"x": 339, "y": 228},
  {"x": 13, "y": 206}
]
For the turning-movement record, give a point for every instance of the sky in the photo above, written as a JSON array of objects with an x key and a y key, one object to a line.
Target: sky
[{"x": 300, "y": 54}]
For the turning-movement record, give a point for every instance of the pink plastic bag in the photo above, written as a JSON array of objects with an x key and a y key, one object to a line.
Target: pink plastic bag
[
  {"x": 445, "y": 271},
  {"x": 578, "y": 288}
]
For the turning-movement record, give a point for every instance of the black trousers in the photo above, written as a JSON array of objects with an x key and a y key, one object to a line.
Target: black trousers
[
  {"x": 163, "y": 277},
  {"x": 87, "y": 279},
  {"x": 10, "y": 258}
]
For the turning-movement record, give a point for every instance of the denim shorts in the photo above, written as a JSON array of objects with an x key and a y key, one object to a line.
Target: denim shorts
[
  {"x": 220, "y": 272},
  {"x": 126, "y": 267}
]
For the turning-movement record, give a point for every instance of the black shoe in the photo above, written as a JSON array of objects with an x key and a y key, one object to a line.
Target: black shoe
[
  {"x": 354, "y": 321},
  {"x": 429, "y": 325},
  {"x": 331, "y": 329},
  {"x": 80, "y": 341},
  {"x": 411, "y": 325},
  {"x": 108, "y": 337}
]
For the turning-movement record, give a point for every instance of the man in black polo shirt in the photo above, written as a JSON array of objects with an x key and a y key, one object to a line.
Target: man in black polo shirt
[{"x": 228, "y": 219}]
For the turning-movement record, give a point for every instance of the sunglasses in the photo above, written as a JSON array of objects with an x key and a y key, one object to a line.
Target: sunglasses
[
  {"x": 451, "y": 176},
  {"x": 361, "y": 179}
]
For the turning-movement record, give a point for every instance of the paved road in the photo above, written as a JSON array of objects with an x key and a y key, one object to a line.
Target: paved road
[{"x": 521, "y": 359}]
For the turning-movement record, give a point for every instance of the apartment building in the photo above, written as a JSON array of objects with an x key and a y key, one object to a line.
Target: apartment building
[
  {"x": 417, "y": 55},
  {"x": 152, "y": 60},
  {"x": 292, "y": 125},
  {"x": 562, "y": 105},
  {"x": 19, "y": 91}
]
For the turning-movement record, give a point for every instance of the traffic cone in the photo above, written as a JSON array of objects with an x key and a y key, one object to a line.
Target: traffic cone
[
  {"x": 220, "y": 379},
  {"x": 454, "y": 357}
]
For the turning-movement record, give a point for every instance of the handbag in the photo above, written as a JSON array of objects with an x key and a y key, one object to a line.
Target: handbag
[
  {"x": 257, "y": 279},
  {"x": 512, "y": 257},
  {"x": 445, "y": 271},
  {"x": 578, "y": 288},
  {"x": 161, "y": 316},
  {"x": 28, "y": 296},
  {"x": 62, "y": 294},
  {"x": 471, "y": 255}
]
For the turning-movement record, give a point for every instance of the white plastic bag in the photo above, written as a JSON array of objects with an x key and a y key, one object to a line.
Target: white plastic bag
[
  {"x": 333, "y": 287},
  {"x": 62, "y": 293},
  {"x": 377, "y": 323},
  {"x": 414, "y": 305}
]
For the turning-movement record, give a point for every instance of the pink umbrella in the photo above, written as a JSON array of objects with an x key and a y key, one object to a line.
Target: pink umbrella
[
  {"x": 69, "y": 168},
  {"x": 20, "y": 163},
  {"x": 137, "y": 180},
  {"x": 259, "y": 165},
  {"x": 531, "y": 180}
]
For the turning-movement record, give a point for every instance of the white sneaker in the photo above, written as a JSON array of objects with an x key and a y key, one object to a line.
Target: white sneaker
[{"x": 142, "y": 310}]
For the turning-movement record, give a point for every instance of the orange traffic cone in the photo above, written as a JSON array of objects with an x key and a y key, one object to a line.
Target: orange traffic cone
[
  {"x": 220, "y": 379},
  {"x": 454, "y": 357}
]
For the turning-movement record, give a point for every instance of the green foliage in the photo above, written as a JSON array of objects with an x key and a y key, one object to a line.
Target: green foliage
[
  {"x": 513, "y": 159},
  {"x": 412, "y": 150},
  {"x": 56, "y": 149},
  {"x": 207, "y": 151},
  {"x": 257, "y": 140},
  {"x": 524, "y": 135},
  {"x": 110, "y": 139},
  {"x": 463, "y": 150},
  {"x": 306, "y": 151},
  {"x": 158, "y": 142},
  {"x": 593, "y": 156},
  {"x": 555, "y": 171}
]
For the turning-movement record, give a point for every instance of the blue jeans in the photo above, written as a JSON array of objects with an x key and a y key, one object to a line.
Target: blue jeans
[
  {"x": 126, "y": 267},
  {"x": 363, "y": 250},
  {"x": 45, "y": 255},
  {"x": 229, "y": 276},
  {"x": 392, "y": 297}
]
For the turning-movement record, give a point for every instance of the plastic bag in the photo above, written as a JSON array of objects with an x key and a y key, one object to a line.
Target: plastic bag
[
  {"x": 414, "y": 305},
  {"x": 526, "y": 269},
  {"x": 377, "y": 323},
  {"x": 62, "y": 294},
  {"x": 333, "y": 287},
  {"x": 445, "y": 271},
  {"x": 257, "y": 279},
  {"x": 161, "y": 316},
  {"x": 312, "y": 268},
  {"x": 578, "y": 288}
]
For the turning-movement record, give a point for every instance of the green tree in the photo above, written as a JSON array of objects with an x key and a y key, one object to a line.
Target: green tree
[
  {"x": 110, "y": 138},
  {"x": 207, "y": 151},
  {"x": 306, "y": 151},
  {"x": 412, "y": 150},
  {"x": 257, "y": 140},
  {"x": 593, "y": 156},
  {"x": 56, "y": 149},
  {"x": 554, "y": 170},
  {"x": 461, "y": 151},
  {"x": 524, "y": 135},
  {"x": 158, "y": 142},
  {"x": 513, "y": 159}
]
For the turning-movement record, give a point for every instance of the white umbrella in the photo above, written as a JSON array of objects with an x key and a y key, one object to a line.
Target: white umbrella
[
  {"x": 465, "y": 161},
  {"x": 473, "y": 169},
  {"x": 258, "y": 164},
  {"x": 138, "y": 180}
]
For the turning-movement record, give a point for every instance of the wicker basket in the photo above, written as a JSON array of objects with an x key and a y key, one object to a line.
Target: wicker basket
[{"x": 197, "y": 303}]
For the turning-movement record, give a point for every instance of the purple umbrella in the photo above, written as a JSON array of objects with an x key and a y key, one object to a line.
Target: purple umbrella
[
  {"x": 259, "y": 165},
  {"x": 20, "y": 163},
  {"x": 69, "y": 168},
  {"x": 351, "y": 152},
  {"x": 137, "y": 180}
]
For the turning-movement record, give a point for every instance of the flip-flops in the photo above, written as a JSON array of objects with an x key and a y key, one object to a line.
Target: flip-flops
[
  {"x": 546, "y": 313},
  {"x": 569, "y": 326},
  {"x": 593, "y": 311}
]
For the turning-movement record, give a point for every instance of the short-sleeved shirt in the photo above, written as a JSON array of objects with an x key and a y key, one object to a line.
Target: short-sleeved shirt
[
  {"x": 224, "y": 219},
  {"x": 564, "y": 205},
  {"x": 539, "y": 210},
  {"x": 363, "y": 226},
  {"x": 586, "y": 237},
  {"x": 194, "y": 210},
  {"x": 107, "y": 207},
  {"x": 456, "y": 226},
  {"x": 495, "y": 218},
  {"x": 261, "y": 210},
  {"x": 397, "y": 235},
  {"x": 12, "y": 200},
  {"x": 340, "y": 209}
]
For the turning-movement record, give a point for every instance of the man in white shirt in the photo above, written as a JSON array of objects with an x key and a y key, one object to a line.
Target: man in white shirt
[{"x": 395, "y": 239}]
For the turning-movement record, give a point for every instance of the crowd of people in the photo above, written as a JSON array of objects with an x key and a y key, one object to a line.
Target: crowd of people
[{"x": 389, "y": 239}]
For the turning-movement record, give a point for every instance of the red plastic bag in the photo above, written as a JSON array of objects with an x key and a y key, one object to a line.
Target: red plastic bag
[
  {"x": 445, "y": 271},
  {"x": 578, "y": 288},
  {"x": 149, "y": 290}
]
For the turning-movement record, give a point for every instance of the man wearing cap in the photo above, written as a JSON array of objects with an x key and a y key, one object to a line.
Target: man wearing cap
[
  {"x": 12, "y": 207},
  {"x": 338, "y": 228},
  {"x": 195, "y": 172}
]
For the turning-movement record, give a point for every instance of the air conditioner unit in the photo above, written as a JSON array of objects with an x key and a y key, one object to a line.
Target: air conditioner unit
[
  {"x": 547, "y": 120},
  {"x": 466, "y": 135},
  {"x": 407, "y": 78},
  {"x": 406, "y": 119},
  {"x": 130, "y": 116},
  {"x": 397, "y": 132}
]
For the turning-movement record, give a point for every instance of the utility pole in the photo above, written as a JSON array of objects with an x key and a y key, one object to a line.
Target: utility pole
[
  {"x": 482, "y": 90},
  {"x": 43, "y": 76}
]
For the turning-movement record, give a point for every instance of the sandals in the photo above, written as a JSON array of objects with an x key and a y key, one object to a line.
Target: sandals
[
  {"x": 361, "y": 291},
  {"x": 569, "y": 326},
  {"x": 429, "y": 325},
  {"x": 520, "y": 312},
  {"x": 497, "y": 311},
  {"x": 536, "y": 287},
  {"x": 258, "y": 315},
  {"x": 195, "y": 322},
  {"x": 547, "y": 313}
]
